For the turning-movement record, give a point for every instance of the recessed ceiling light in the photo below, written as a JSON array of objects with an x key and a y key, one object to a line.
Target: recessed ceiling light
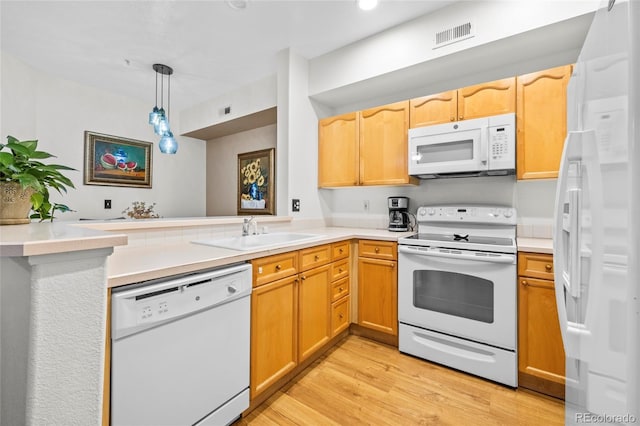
[
  {"x": 237, "y": 4},
  {"x": 367, "y": 4}
]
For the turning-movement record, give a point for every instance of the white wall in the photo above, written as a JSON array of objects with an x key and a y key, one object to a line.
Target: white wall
[
  {"x": 254, "y": 97},
  {"x": 391, "y": 64},
  {"x": 57, "y": 112},
  {"x": 302, "y": 135},
  {"x": 533, "y": 200},
  {"x": 222, "y": 166}
]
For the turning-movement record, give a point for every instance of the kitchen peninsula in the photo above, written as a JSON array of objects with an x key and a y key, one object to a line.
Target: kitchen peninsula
[{"x": 55, "y": 278}]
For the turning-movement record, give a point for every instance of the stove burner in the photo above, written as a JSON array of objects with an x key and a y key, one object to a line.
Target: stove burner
[{"x": 457, "y": 237}]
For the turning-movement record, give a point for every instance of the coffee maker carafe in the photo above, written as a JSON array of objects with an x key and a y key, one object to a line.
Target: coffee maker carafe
[{"x": 398, "y": 214}]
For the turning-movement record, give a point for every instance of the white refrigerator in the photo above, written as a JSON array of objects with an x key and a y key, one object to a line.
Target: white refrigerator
[{"x": 597, "y": 223}]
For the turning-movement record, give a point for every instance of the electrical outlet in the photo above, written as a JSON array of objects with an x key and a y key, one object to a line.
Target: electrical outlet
[
  {"x": 107, "y": 204},
  {"x": 365, "y": 205},
  {"x": 295, "y": 205}
]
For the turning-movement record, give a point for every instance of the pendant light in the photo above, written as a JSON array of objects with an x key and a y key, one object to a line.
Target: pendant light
[{"x": 157, "y": 117}]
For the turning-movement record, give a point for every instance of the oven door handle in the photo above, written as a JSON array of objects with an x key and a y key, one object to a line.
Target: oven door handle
[{"x": 430, "y": 252}]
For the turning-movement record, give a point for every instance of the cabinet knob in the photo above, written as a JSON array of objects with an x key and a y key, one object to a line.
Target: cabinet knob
[
  {"x": 341, "y": 289},
  {"x": 525, "y": 283},
  {"x": 341, "y": 251},
  {"x": 316, "y": 257},
  {"x": 548, "y": 267},
  {"x": 340, "y": 270},
  {"x": 461, "y": 117},
  {"x": 278, "y": 267},
  {"x": 453, "y": 119},
  {"x": 302, "y": 277},
  {"x": 341, "y": 316},
  {"x": 392, "y": 264},
  {"x": 377, "y": 250}
]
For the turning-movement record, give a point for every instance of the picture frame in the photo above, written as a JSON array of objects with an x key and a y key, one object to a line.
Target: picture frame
[
  {"x": 117, "y": 161},
  {"x": 256, "y": 182}
]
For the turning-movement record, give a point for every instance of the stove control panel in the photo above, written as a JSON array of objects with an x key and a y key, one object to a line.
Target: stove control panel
[{"x": 471, "y": 214}]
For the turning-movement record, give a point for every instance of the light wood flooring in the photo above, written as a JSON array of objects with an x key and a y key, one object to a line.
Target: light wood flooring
[{"x": 360, "y": 381}]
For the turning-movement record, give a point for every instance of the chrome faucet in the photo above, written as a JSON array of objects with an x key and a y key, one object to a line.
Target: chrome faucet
[{"x": 246, "y": 224}]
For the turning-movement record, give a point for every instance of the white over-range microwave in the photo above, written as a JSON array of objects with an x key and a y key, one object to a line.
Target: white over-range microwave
[{"x": 477, "y": 147}]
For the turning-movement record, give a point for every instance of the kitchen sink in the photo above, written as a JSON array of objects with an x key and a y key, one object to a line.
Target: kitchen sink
[{"x": 252, "y": 242}]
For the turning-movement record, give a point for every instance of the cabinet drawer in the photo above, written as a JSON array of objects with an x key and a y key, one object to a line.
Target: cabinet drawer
[
  {"x": 315, "y": 256},
  {"x": 340, "y": 316},
  {"x": 339, "y": 269},
  {"x": 535, "y": 265},
  {"x": 339, "y": 289},
  {"x": 340, "y": 250},
  {"x": 271, "y": 268},
  {"x": 378, "y": 249}
]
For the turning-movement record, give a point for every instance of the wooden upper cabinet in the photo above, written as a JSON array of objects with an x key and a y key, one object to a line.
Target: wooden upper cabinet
[
  {"x": 433, "y": 109},
  {"x": 338, "y": 163},
  {"x": 492, "y": 98},
  {"x": 541, "y": 122},
  {"x": 482, "y": 100},
  {"x": 383, "y": 145}
]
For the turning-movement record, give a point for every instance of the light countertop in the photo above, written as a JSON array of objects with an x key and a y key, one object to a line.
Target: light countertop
[
  {"x": 47, "y": 238},
  {"x": 134, "y": 264},
  {"x": 535, "y": 245},
  {"x": 130, "y": 264}
]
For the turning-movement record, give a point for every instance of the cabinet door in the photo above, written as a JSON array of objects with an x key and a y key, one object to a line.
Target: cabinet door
[
  {"x": 338, "y": 151},
  {"x": 314, "y": 321},
  {"x": 541, "y": 122},
  {"x": 274, "y": 315},
  {"x": 482, "y": 100},
  {"x": 383, "y": 145},
  {"x": 433, "y": 109},
  {"x": 340, "y": 316},
  {"x": 540, "y": 352},
  {"x": 378, "y": 295}
]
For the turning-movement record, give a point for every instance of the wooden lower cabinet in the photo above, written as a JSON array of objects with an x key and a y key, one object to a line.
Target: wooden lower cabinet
[
  {"x": 378, "y": 286},
  {"x": 293, "y": 318},
  {"x": 274, "y": 334},
  {"x": 541, "y": 357},
  {"x": 314, "y": 321}
]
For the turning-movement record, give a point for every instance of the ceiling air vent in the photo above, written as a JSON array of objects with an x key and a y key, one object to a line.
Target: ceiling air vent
[{"x": 454, "y": 34}]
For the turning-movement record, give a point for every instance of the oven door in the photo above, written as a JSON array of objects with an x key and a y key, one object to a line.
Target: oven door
[
  {"x": 461, "y": 151},
  {"x": 468, "y": 294}
]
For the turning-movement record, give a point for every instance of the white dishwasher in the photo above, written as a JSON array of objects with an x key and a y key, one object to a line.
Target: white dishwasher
[{"x": 180, "y": 349}]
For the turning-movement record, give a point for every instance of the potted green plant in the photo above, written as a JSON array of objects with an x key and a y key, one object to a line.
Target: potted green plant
[{"x": 25, "y": 182}]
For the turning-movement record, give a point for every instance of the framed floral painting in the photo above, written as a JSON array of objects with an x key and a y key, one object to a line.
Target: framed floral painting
[
  {"x": 256, "y": 182},
  {"x": 116, "y": 161}
]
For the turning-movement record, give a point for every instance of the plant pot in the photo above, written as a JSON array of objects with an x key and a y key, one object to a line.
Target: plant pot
[{"x": 15, "y": 203}]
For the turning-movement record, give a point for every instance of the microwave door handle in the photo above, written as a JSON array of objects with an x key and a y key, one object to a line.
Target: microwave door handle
[{"x": 484, "y": 145}]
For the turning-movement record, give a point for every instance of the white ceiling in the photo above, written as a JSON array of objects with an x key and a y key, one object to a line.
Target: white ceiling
[{"x": 211, "y": 47}]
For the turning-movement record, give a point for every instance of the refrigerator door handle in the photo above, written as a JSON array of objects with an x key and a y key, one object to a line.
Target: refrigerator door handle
[
  {"x": 572, "y": 282},
  {"x": 578, "y": 157}
]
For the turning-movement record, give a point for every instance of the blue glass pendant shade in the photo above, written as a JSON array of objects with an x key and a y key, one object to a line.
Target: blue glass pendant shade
[
  {"x": 168, "y": 144},
  {"x": 162, "y": 126},
  {"x": 154, "y": 116}
]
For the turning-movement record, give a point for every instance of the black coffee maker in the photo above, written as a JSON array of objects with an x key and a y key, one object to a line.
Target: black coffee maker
[{"x": 398, "y": 214}]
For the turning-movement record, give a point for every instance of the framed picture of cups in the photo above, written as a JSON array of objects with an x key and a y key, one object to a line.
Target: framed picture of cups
[
  {"x": 116, "y": 161},
  {"x": 256, "y": 182}
]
